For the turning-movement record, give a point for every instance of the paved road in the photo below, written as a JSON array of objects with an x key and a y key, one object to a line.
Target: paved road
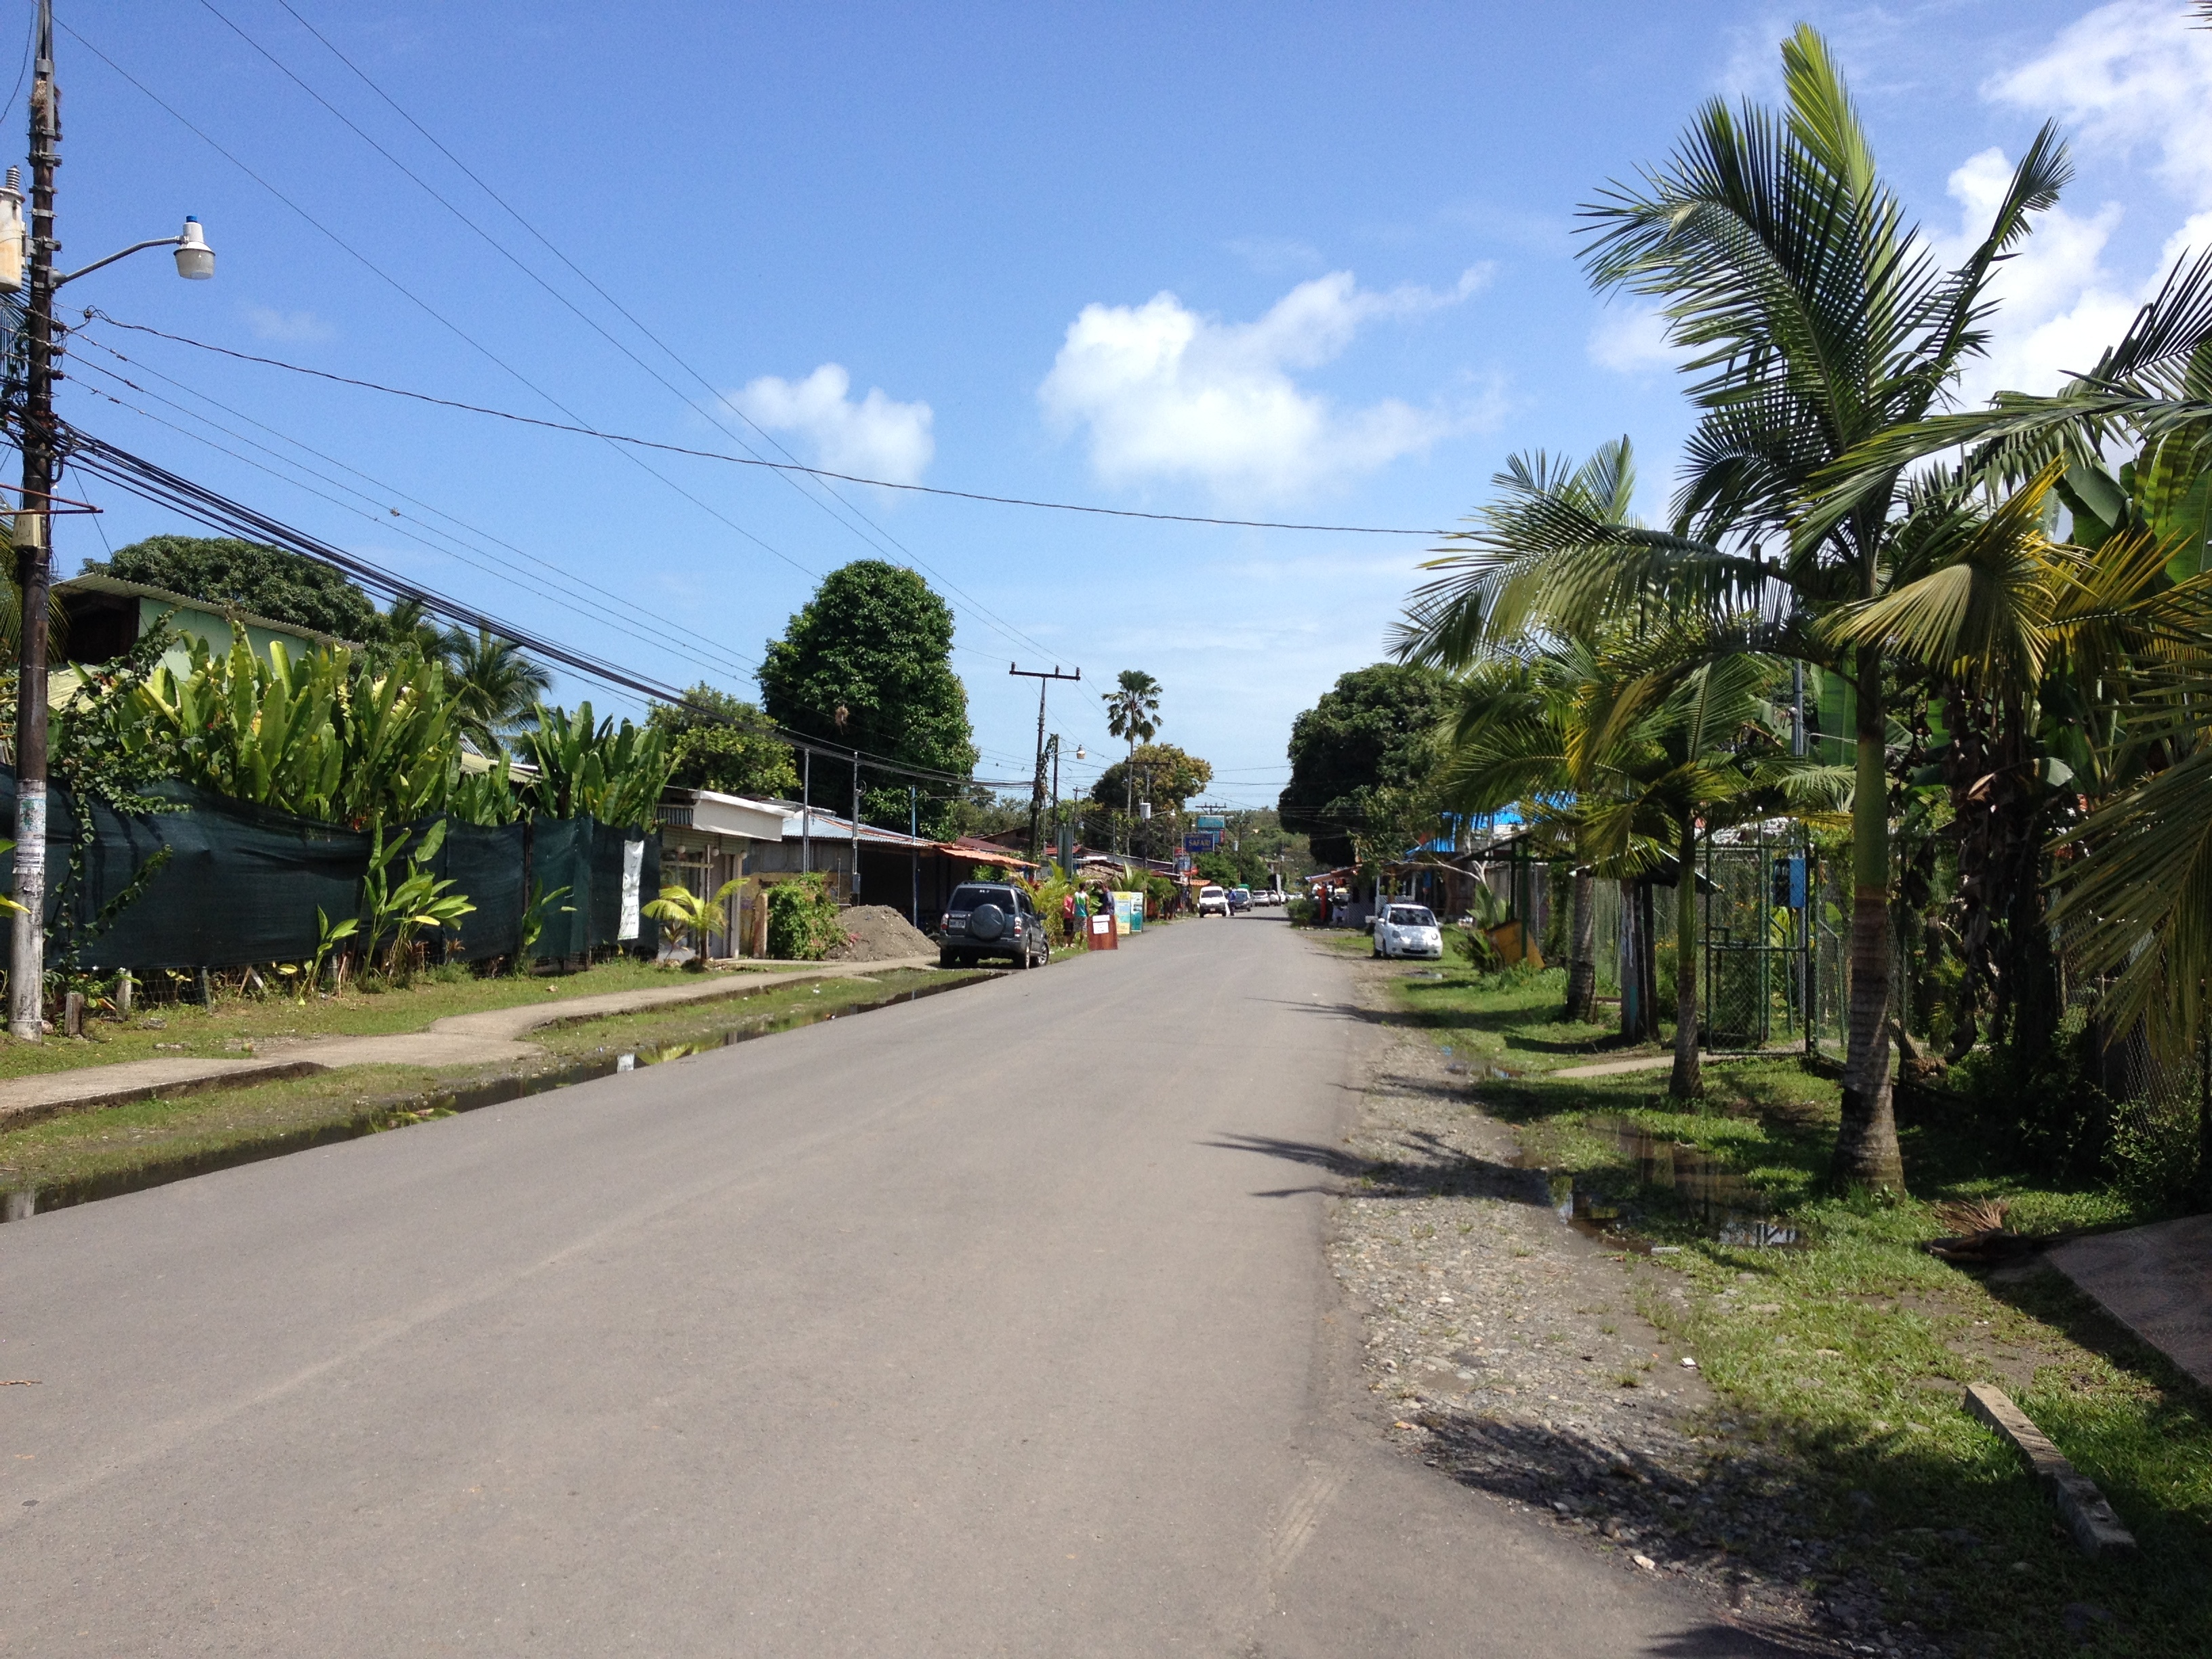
[{"x": 953, "y": 1329}]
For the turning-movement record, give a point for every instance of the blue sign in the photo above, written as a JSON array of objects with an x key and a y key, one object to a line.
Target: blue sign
[
  {"x": 1213, "y": 821},
  {"x": 1205, "y": 841}
]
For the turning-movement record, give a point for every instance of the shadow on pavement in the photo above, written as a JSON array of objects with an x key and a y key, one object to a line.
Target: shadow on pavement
[{"x": 1430, "y": 1168}]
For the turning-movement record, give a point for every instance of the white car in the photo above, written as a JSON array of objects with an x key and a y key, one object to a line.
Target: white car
[
  {"x": 1408, "y": 930},
  {"x": 1213, "y": 902}
]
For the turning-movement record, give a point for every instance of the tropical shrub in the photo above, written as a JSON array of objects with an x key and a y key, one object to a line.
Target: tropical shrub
[
  {"x": 802, "y": 919},
  {"x": 681, "y": 911}
]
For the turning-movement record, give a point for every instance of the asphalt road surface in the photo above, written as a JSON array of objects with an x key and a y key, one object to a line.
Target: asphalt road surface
[{"x": 963, "y": 1328}]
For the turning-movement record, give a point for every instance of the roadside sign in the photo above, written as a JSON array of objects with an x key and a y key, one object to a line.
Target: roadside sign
[{"x": 1202, "y": 841}]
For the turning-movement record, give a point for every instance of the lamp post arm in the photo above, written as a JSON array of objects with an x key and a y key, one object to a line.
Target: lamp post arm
[{"x": 136, "y": 247}]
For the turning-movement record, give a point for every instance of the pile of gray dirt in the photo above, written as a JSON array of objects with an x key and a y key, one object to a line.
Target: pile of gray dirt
[{"x": 875, "y": 933}]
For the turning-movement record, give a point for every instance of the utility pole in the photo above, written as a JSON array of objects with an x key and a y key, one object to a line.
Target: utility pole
[
  {"x": 913, "y": 834},
  {"x": 1052, "y": 747},
  {"x": 26, "y": 982},
  {"x": 34, "y": 536},
  {"x": 856, "y": 895},
  {"x": 1037, "y": 790}
]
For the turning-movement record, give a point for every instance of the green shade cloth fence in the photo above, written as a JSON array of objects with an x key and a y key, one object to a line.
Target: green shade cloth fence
[{"x": 243, "y": 883}]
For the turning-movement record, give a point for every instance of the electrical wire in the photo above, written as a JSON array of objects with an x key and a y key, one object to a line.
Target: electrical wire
[
  {"x": 155, "y": 483},
  {"x": 427, "y": 309},
  {"x": 882, "y": 540},
  {"x": 96, "y": 315},
  {"x": 742, "y": 665},
  {"x": 380, "y": 519}
]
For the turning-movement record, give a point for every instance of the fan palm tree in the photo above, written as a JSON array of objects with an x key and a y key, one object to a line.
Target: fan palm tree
[
  {"x": 1816, "y": 319},
  {"x": 1132, "y": 710},
  {"x": 495, "y": 687}
]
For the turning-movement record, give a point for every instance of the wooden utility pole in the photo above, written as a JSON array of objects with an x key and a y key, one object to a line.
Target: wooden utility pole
[
  {"x": 27, "y": 980},
  {"x": 1037, "y": 790}
]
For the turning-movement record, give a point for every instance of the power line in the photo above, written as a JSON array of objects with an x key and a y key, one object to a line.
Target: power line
[
  {"x": 155, "y": 483},
  {"x": 94, "y": 314},
  {"x": 453, "y": 550},
  {"x": 425, "y": 306},
  {"x": 999, "y": 623},
  {"x": 730, "y": 658}
]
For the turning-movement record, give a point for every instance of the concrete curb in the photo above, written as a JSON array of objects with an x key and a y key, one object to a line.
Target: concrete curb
[
  {"x": 2095, "y": 1528},
  {"x": 458, "y": 1039}
]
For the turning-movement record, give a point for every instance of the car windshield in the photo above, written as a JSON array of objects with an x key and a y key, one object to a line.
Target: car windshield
[
  {"x": 1209, "y": 892},
  {"x": 1411, "y": 916},
  {"x": 967, "y": 898}
]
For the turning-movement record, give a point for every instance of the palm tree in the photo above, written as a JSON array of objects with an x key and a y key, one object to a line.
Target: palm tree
[
  {"x": 1511, "y": 740},
  {"x": 495, "y": 686},
  {"x": 1817, "y": 320},
  {"x": 1132, "y": 710}
]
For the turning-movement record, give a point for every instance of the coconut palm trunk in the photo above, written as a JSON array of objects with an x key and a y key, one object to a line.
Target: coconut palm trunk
[
  {"x": 1866, "y": 1139},
  {"x": 1581, "y": 932},
  {"x": 1685, "y": 1083}
]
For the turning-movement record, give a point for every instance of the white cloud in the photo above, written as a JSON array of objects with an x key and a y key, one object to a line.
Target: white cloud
[
  {"x": 290, "y": 327},
  {"x": 1276, "y": 255},
  {"x": 1167, "y": 393},
  {"x": 2058, "y": 307},
  {"x": 876, "y": 437},
  {"x": 2128, "y": 77},
  {"x": 1631, "y": 339},
  {"x": 2131, "y": 74}
]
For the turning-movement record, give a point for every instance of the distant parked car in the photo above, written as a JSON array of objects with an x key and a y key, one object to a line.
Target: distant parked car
[
  {"x": 1408, "y": 930},
  {"x": 1240, "y": 898},
  {"x": 988, "y": 918},
  {"x": 1213, "y": 902}
]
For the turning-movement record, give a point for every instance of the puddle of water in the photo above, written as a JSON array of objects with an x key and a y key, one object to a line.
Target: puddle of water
[
  {"x": 1480, "y": 1067},
  {"x": 22, "y": 1203},
  {"x": 1731, "y": 1210}
]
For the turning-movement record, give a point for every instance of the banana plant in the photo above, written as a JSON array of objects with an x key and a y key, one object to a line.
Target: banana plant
[
  {"x": 330, "y": 935},
  {"x": 616, "y": 775},
  {"x": 321, "y": 737},
  {"x": 396, "y": 911},
  {"x": 534, "y": 916}
]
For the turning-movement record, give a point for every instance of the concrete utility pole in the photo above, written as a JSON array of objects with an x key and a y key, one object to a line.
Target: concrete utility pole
[{"x": 1037, "y": 791}]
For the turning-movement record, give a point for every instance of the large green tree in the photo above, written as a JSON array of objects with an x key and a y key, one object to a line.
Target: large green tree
[
  {"x": 248, "y": 576},
  {"x": 867, "y": 664},
  {"x": 1161, "y": 774},
  {"x": 1361, "y": 754},
  {"x": 716, "y": 741}
]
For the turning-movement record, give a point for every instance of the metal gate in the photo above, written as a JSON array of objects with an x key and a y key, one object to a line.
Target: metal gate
[{"x": 1758, "y": 901}]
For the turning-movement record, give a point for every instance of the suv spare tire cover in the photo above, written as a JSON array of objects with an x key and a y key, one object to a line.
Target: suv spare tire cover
[{"x": 986, "y": 922}]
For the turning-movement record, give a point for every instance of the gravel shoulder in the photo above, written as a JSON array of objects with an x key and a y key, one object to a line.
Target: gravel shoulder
[{"x": 1522, "y": 1358}]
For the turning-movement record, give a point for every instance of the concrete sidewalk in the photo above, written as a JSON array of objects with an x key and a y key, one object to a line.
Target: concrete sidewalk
[
  {"x": 2157, "y": 1281},
  {"x": 479, "y": 1039}
]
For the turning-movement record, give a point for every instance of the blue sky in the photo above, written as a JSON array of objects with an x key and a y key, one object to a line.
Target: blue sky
[{"x": 1279, "y": 262}]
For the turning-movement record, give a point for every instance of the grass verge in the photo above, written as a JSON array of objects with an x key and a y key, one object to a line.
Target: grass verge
[
  {"x": 234, "y": 1023},
  {"x": 141, "y": 1141},
  {"x": 1846, "y": 1356}
]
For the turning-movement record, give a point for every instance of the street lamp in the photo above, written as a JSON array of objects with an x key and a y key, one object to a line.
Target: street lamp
[{"x": 32, "y": 537}]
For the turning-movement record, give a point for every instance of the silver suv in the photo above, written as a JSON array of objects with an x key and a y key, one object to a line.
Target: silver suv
[{"x": 991, "y": 918}]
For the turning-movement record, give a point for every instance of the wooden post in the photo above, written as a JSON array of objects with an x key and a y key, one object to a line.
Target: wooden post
[
  {"x": 123, "y": 994},
  {"x": 73, "y": 1014}
]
